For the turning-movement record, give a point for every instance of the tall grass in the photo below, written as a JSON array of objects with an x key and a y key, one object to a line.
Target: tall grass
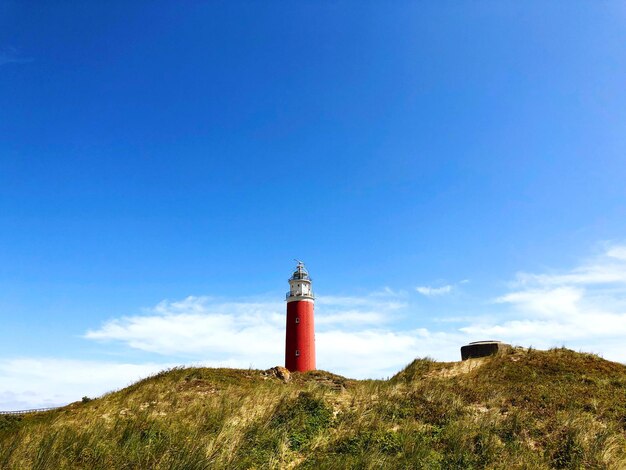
[{"x": 519, "y": 409}]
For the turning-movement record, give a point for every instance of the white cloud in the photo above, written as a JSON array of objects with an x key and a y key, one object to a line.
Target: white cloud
[
  {"x": 583, "y": 308},
  {"x": 45, "y": 382},
  {"x": 382, "y": 353},
  {"x": 195, "y": 327},
  {"x": 350, "y": 333},
  {"x": 618, "y": 252},
  {"x": 608, "y": 268},
  {"x": 351, "y": 317},
  {"x": 429, "y": 291},
  {"x": 551, "y": 302}
]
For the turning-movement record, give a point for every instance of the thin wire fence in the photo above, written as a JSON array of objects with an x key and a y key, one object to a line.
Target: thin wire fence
[{"x": 24, "y": 412}]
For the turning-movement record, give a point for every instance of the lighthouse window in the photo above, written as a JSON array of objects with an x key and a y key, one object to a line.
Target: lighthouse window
[
  {"x": 297, "y": 319},
  {"x": 297, "y": 352}
]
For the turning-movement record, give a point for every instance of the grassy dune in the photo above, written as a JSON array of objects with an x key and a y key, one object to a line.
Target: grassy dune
[{"x": 519, "y": 409}]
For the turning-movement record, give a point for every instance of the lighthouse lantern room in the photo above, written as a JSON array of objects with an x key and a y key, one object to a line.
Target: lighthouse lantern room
[{"x": 300, "y": 331}]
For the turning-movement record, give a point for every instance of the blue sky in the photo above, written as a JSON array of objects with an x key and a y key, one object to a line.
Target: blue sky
[{"x": 449, "y": 171}]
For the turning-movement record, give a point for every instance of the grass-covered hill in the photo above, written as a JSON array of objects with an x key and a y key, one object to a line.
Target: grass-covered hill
[{"x": 519, "y": 409}]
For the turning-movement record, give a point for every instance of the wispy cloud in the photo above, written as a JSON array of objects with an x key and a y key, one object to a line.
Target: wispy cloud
[
  {"x": 196, "y": 326},
  {"x": 10, "y": 55},
  {"x": 429, "y": 291}
]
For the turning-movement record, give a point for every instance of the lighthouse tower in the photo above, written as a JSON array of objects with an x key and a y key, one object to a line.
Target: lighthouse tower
[{"x": 300, "y": 338}]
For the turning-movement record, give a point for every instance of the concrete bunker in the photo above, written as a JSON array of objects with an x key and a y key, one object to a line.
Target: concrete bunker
[{"x": 482, "y": 349}]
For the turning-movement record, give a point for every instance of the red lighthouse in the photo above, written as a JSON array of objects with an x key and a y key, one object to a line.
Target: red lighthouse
[{"x": 300, "y": 338}]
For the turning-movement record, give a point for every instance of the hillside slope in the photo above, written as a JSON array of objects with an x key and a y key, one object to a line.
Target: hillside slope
[{"x": 519, "y": 409}]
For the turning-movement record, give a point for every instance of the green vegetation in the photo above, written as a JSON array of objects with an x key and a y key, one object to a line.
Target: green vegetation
[{"x": 519, "y": 409}]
